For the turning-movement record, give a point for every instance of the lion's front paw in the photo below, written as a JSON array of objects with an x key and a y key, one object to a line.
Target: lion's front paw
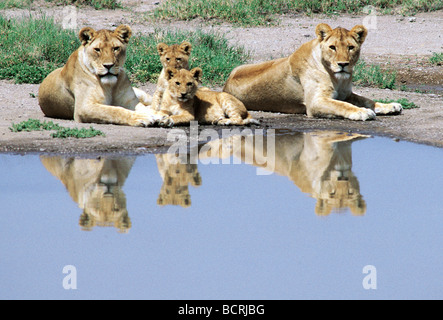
[
  {"x": 388, "y": 108},
  {"x": 362, "y": 115},
  {"x": 166, "y": 122},
  {"x": 224, "y": 122},
  {"x": 143, "y": 119}
]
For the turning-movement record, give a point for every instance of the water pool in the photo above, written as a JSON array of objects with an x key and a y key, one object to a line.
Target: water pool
[{"x": 332, "y": 216}]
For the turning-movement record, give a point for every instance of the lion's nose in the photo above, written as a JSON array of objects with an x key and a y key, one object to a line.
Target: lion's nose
[
  {"x": 108, "y": 65},
  {"x": 184, "y": 95},
  {"x": 343, "y": 64}
]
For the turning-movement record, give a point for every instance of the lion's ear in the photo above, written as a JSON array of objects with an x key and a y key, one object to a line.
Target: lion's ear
[
  {"x": 359, "y": 33},
  {"x": 161, "y": 48},
  {"x": 186, "y": 47},
  {"x": 124, "y": 32},
  {"x": 197, "y": 74},
  {"x": 170, "y": 73},
  {"x": 86, "y": 35},
  {"x": 322, "y": 31}
]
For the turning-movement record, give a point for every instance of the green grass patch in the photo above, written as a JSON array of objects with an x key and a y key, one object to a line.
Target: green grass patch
[
  {"x": 97, "y": 4},
  {"x": 60, "y": 132},
  {"x": 7, "y": 4},
  {"x": 210, "y": 51},
  {"x": 77, "y": 133},
  {"x": 373, "y": 76},
  {"x": 30, "y": 49},
  {"x": 436, "y": 58},
  {"x": 262, "y": 12},
  {"x": 405, "y": 103}
]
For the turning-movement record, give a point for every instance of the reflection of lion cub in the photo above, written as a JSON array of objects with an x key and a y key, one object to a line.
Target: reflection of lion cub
[
  {"x": 175, "y": 56},
  {"x": 93, "y": 86},
  {"x": 96, "y": 186},
  {"x": 176, "y": 178},
  {"x": 316, "y": 79},
  {"x": 184, "y": 102}
]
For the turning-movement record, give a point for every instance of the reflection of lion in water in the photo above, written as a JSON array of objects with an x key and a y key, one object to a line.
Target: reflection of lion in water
[
  {"x": 96, "y": 186},
  {"x": 176, "y": 175},
  {"x": 319, "y": 163}
]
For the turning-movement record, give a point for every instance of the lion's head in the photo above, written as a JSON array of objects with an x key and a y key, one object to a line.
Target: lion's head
[
  {"x": 104, "y": 52},
  {"x": 338, "y": 191},
  {"x": 340, "y": 48},
  {"x": 183, "y": 84},
  {"x": 105, "y": 202},
  {"x": 175, "y": 56}
]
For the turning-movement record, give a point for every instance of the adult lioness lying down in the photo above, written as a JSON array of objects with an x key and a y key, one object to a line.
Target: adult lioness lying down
[
  {"x": 93, "y": 86},
  {"x": 316, "y": 79}
]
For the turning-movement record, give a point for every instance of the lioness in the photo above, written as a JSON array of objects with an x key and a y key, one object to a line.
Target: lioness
[
  {"x": 174, "y": 56},
  {"x": 183, "y": 102},
  {"x": 316, "y": 79},
  {"x": 93, "y": 86}
]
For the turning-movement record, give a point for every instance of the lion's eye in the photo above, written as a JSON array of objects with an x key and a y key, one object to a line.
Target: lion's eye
[
  {"x": 189, "y": 84},
  {"x": 351, "y": 48},
  {"x": 167, "y": 59},
  {"x": 178, "y": 59},
  {"x": 177, "y": 83},
  {"x": 97, "y": 50},
  {"x": 116, "y": 48},
  {"x": 332, "y": 48}
]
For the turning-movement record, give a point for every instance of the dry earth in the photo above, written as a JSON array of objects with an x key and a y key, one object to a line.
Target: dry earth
[{"x": 401, "y": 43}]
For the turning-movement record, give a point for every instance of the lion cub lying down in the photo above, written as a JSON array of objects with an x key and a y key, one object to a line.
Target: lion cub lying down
[{"x": 183, "y": 102}]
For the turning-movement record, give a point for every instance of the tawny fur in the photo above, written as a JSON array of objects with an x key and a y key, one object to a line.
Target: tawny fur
[
  {"x": 319, "y": 163},
  {"x": 174, "y": 56},
  {"x": 316, "y": 79},
  {"x": 93, "y": 86},
  {"x": 96, "y": 186},
  {"x": 183, "y": 102}
]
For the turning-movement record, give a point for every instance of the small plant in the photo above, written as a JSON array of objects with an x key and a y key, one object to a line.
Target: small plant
[
  {"x": 77, "y": 133},
  {"x": 373, "y": 76},
  {"x": 97, "y": 4},
  {"x": 437, "y": 59},
  {"x": 61, "y": 132},
  {"x": 34, "y": 125},
  {"x": 405, "y": 103}
]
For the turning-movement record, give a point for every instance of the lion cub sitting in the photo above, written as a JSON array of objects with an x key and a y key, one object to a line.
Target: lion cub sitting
[
  {"x": 183, "y": 102},
  {"x": 175, "y": 56}
]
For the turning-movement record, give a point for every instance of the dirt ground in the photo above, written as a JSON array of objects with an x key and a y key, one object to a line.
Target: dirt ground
[{"x": 401, "y": 43}]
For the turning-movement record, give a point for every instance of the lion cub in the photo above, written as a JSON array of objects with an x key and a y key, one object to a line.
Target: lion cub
[
  {"x": 175, "y": 56},
  {"x": 183, "y": 102}
]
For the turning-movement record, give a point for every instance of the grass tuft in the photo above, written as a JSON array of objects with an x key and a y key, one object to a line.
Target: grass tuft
[
  {"x": 97, "y": 4},
  {"x": 436, "y": 58},
  {"x": 60, "y": 132},
  {"x": 373, "y": 76},
  {"x": 405, "y": 103}
]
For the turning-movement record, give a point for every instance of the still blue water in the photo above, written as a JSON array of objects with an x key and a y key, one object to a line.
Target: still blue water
[{"x": 222, "y": 231}]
